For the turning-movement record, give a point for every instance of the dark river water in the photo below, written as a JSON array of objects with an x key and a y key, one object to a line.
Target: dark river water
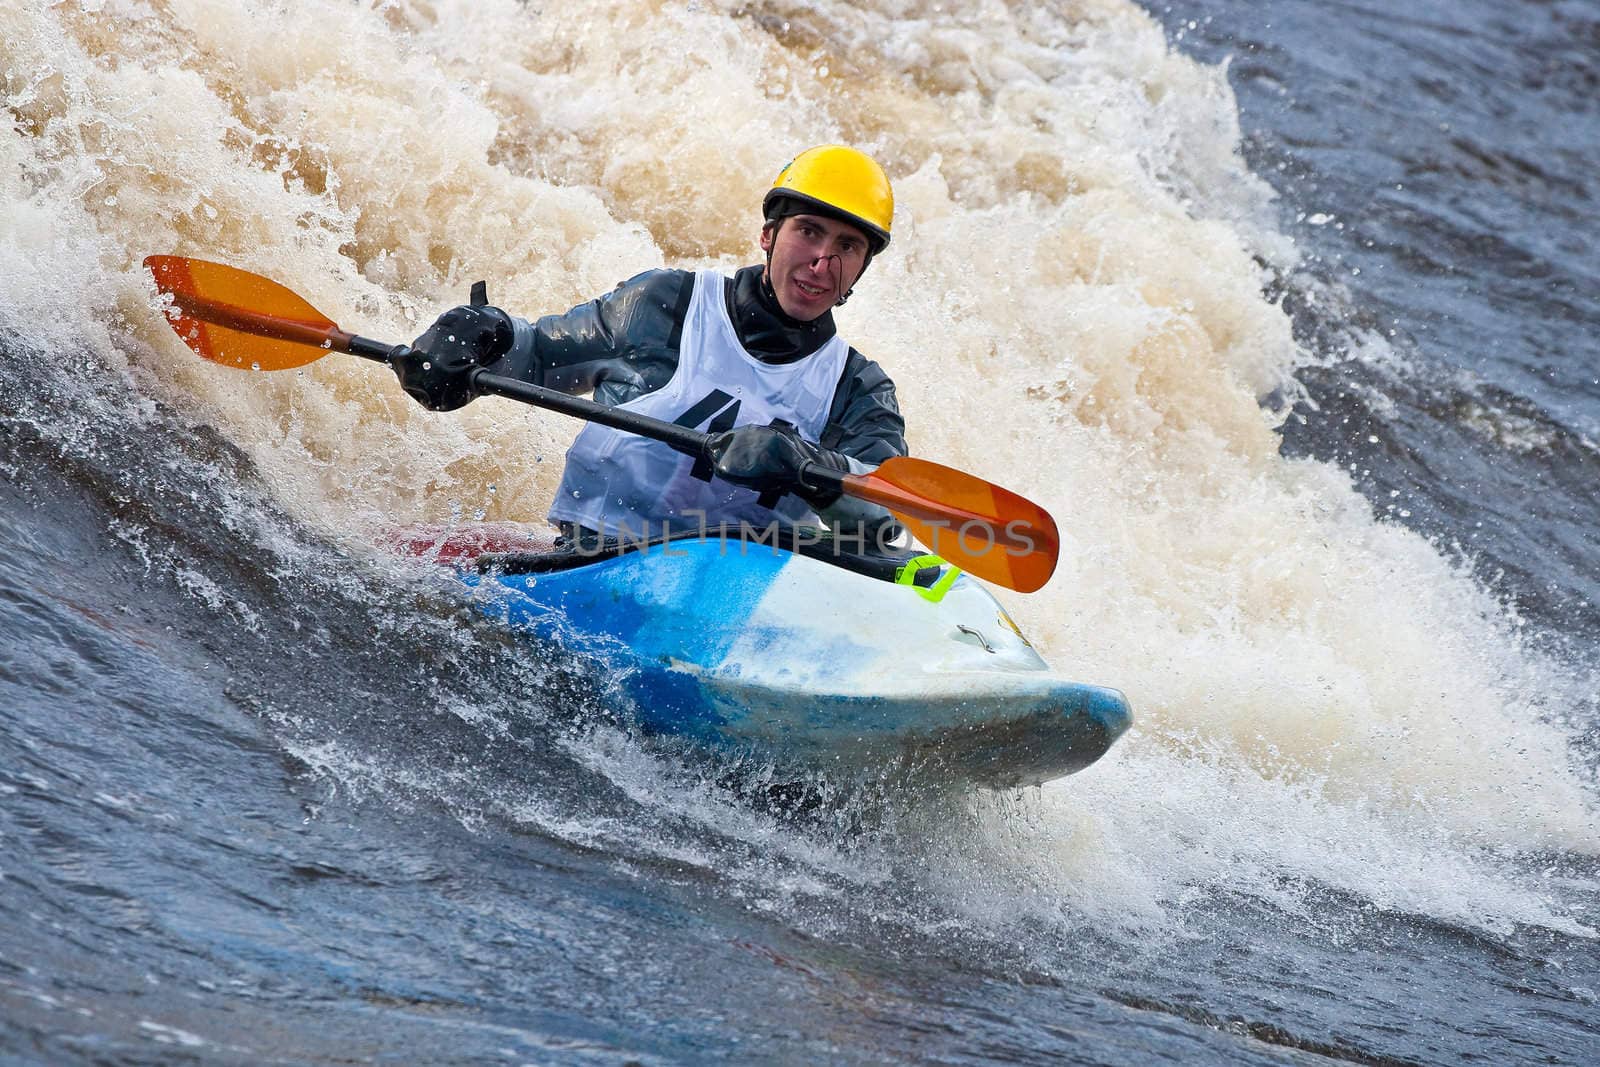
[{"x": 266, "y": 797}]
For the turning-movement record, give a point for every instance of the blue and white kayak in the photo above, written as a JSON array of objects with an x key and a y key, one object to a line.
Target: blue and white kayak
[{"x": 848, "y": 664}]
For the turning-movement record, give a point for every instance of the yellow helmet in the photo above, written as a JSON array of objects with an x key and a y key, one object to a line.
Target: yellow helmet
[{"x": 840, "y": 182}]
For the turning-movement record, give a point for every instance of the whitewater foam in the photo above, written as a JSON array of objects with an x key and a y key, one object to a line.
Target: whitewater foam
[{"x": 1073, "y": 306}]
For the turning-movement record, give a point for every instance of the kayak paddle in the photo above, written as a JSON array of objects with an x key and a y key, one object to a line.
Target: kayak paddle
[{"x": 238, "y": 319}]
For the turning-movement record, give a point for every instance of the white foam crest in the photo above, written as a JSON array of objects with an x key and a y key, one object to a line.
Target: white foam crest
[
  {"x": 753, "y": 848},
  {"x": 1207, "y": 827},
  {"x": 1072, "y": 306}
]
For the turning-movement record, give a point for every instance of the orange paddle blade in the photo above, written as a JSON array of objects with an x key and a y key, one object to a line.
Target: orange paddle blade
[
  {"x": 989, "y": 532},
  {"x": 239, "y": 319}
]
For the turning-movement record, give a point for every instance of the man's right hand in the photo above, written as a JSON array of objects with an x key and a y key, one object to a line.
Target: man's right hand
[{"x": 436, "y": 370}]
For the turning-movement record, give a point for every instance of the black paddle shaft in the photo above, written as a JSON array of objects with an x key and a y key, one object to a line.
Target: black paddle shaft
[{"x": 680, "y": 438}]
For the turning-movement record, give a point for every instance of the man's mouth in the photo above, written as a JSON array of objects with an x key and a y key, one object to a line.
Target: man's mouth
[{"x": 810, "y": 290}]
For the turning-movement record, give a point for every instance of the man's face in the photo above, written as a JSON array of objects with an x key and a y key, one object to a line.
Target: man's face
[{"x": 804, "y": 273}]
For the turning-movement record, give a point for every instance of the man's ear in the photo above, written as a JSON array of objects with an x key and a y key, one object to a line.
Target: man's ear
[{"x": 769, "y": 233}]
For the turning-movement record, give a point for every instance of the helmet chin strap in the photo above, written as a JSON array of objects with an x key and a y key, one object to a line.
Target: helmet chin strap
[
  {"x": 835, "y": 265},
  {"x": 836, "y": 272}
]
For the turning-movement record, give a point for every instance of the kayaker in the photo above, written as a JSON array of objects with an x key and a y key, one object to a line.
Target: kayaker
[{"x": 753, "y": 359}]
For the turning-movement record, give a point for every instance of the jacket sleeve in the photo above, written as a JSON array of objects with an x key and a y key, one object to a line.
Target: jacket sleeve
[
  {"x": 865, "y": 422},
  {"x": 617, "y": 346},
  {"x": 864, "y": 428}
]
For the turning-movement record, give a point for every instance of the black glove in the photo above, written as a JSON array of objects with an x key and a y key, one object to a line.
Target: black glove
[
  {"x": 437, "y": 367},
  {"x": 773, "y": 460}
]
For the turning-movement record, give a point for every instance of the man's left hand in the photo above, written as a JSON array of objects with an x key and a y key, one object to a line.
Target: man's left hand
[{"x": 768, "y": 458}]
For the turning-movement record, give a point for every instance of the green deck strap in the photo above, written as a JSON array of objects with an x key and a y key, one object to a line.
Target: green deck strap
[{"x": 907, "y": 575}]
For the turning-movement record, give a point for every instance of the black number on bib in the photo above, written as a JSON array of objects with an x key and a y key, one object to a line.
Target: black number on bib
[
  {"x": 715, "y": 402},
  {"x": 722, "y": 410}
]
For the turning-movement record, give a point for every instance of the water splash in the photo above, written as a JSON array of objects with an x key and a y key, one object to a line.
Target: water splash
[{"x": 1073, "y": 306}]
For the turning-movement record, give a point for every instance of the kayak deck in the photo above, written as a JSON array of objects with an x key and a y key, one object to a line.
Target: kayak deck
[{"x": 814, "y": 657}]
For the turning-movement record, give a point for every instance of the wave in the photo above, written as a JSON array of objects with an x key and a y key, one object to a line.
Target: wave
[{"x": 1075, "y": 306}]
